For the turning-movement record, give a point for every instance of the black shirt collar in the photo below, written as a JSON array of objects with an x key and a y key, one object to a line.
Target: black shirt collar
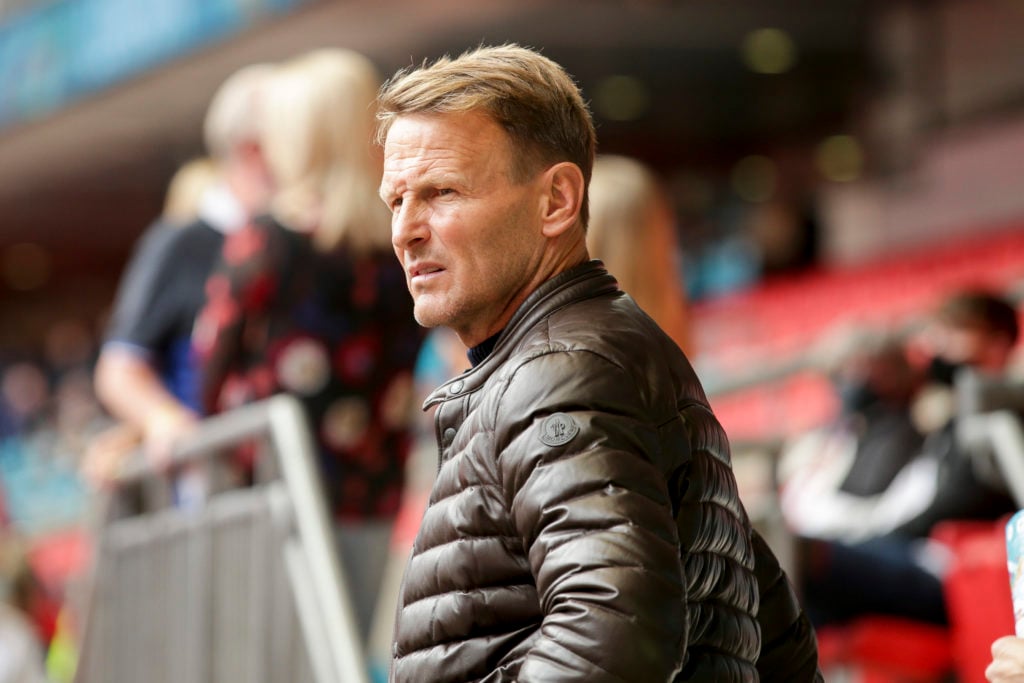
[{"x": 478, "y": 353}]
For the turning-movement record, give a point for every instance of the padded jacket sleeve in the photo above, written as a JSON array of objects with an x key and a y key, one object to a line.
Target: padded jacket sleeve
[
  {"x": 789, "y": 650},
  {"x": 585, "y": 494}
]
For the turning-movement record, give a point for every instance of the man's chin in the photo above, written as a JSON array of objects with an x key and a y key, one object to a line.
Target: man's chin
[{"x": 428, "y": 316}]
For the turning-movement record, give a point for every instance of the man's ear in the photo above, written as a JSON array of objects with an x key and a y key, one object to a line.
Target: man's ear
[{"x": 563, "y": 198}]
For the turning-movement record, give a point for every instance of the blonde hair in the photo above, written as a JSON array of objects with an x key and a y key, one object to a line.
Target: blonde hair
[
  {"x": 189, "y": 182},
  {"x": 318, "y": 143},
  {"x": 632, "y": 231},
  {"x": 232, "y": 117},
  {"x": 531, "y": 97}
]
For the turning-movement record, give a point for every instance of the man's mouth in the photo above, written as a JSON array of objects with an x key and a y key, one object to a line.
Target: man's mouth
[{"x": 424, "y": 271}]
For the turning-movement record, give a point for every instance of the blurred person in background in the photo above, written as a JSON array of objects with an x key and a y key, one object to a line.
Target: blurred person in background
[
  {"x": 184, "y": 197},
  {"x": 900, "y": 571},
  {"x": 831, "y": 479},
  {"x": 571, "y": 533},
  {"x": 309, "y": 300},
  {"x": 70, "y": 348},
  {"x": 24, "y": 397},
  {"x": 975, "y": 330},
  {"x": 632, "y": 230},
  {"x": 146, "y": 375}
]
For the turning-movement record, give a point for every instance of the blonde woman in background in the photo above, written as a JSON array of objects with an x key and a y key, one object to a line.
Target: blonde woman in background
[
  {"x": 310, "y": 300},
  {"x": 186, "y": 190},
  {"x": 633, "y": 231}
]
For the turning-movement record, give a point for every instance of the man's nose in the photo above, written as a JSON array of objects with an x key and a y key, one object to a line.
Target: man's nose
[{"x": 409, "y": 225}]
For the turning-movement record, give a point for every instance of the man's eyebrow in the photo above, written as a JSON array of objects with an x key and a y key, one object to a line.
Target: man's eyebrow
[{"x": 387, "y": 186}]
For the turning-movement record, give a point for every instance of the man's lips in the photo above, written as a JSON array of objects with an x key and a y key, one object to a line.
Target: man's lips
[{"x": 422, "y": 271}]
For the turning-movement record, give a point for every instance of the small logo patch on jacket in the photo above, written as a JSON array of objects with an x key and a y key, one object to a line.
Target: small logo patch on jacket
[{"x": 558, "y": 429}]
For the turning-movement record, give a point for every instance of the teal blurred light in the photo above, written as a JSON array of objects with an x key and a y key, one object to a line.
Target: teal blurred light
[{"x": 55, "y": 53}]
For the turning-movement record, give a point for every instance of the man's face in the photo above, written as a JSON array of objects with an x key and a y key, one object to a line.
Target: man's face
[
  {"x": 467, "y": 235},
  {"x": 977, "y": 347}
]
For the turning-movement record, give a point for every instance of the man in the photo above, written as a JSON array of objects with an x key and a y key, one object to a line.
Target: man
[
  {"x": 146, "y": 375},
  {"x": 974, "y": 330},
  {"x": 899, "y": 570},
  {"x": 584, "y": 523}
]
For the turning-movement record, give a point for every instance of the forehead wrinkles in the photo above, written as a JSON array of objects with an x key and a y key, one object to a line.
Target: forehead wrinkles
[{"x": 421, "y": 146}]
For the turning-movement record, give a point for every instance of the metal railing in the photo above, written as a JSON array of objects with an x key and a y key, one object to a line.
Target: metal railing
[{"x": 244, "y": 585}]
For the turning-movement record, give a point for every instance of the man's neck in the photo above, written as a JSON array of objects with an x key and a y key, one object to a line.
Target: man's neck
[{"x": 477, "y": 354}]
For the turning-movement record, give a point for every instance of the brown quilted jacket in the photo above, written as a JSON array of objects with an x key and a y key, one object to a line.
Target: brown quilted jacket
[{"x": 585, "y": 524}]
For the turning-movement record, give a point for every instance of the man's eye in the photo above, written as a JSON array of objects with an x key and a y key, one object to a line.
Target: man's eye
[
  {"x": 396, "y": 203},
  {"x": 445, "y": 191}
]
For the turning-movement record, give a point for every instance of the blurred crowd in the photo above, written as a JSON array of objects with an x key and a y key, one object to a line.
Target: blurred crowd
[{"x": 49, "y": 415}]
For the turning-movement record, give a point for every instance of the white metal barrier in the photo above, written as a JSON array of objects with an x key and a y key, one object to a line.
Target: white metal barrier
[{"x": 244, "y": 586}]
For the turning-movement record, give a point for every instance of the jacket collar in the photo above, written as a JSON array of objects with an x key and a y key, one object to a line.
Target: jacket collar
[{"x": 587, "y": 280}]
